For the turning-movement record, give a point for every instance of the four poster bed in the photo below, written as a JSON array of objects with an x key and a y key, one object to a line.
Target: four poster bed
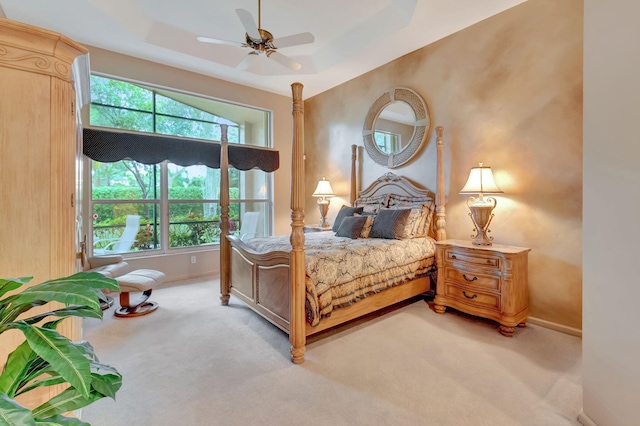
[{"x": 304, "y": 287}]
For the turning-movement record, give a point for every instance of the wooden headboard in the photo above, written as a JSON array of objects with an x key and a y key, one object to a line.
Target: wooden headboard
[{"x": 389, "y": 183}]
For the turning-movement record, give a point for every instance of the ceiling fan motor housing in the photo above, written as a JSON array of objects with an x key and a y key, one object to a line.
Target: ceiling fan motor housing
[{"x": 265, "y": 44}]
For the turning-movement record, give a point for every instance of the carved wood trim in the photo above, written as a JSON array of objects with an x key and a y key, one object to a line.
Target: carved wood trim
[
  {"x": 36, "y": 50},
  {"x": 390, "y": 183}
]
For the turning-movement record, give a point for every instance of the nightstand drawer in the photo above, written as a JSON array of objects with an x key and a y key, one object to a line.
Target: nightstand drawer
[
  {"x": 466, "y": 278},
  {"x": 478, "y": 298},
  {"x": 473, "y": 259}
]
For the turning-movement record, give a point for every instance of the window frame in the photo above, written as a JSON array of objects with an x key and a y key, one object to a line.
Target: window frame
[{"x": 164, "y": 201}]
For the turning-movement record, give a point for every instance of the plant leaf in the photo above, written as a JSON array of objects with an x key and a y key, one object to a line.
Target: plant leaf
[
  {"x": 105, "y": 380},
  {"x": 6, "y": 285},
  {"x": 16, "y": 368},
  {"x": 61, "y": 421},
  {"x": 63, "y": 356},
  {"x": 9, "y": 312},
  {"x": 67, "y": 293},
  {"x": 14, "y": 414},
  {"x": 56, "y": 379},
  {"x": 68, "y": 400},
  {"x": 83, "y": 288},
  {"x": 86, "y": 347},
  {"x": 90, "y": 279},
  {"x": 71, "y": 311},
  {"x": 36, "y": 369}
]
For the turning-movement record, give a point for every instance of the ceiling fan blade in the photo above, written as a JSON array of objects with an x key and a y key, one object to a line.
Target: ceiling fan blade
[
  {"x": 247, "y": 61},
  {"x": 217, "y": 41},
  {"x": 293, "y": 40},
  {"x": 249, "y": 24},
  {"x": 284, "y": 60}
]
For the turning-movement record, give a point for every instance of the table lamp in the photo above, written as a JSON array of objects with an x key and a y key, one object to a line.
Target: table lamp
[
  {"x": 481, "y": 182},
  {"x": 324, "y": 192}
]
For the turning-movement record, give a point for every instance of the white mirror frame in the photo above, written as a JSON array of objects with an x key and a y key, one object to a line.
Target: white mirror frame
[{"x": 421, "y": 128}]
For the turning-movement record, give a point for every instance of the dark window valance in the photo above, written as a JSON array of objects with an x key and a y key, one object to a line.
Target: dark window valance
[{"x": 109, "y": 146}]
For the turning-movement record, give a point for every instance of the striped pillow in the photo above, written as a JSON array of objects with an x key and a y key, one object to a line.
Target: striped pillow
[{"x": 389, "y": 223}]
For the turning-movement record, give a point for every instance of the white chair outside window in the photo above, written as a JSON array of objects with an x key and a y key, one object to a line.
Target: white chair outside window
[
  {"x": 126, "y": 240},
  {"x": 249, "y": 225}
]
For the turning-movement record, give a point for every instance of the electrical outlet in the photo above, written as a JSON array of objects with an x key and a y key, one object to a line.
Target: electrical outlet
[{"x": 193, "y": 259}]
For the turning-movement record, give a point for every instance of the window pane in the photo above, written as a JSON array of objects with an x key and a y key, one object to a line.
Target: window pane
[
  {"x": 193, "y": 182},
  {"x": 125, "y": 180},
  {"x": 250, "y": 184},
  {"x": 121, "y": 118},
  {"x": 187, "y": 128},
  {"x": 106, "y": 91},
  {"x": 123, "y": 228},
  {"x": 169, "y": 106},
  {"x": 193, "y": 224}
]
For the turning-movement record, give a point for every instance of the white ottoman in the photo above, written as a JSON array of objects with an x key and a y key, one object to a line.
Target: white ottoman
[{"x": 138, "y": 281}]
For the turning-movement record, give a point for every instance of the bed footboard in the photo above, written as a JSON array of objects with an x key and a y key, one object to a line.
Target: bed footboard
[{"x": 262, "y": 281}]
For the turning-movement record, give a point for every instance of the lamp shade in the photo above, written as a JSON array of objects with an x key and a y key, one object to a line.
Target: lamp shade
[
  {"x": 481, "y": 182},
  {"x": 323, "y": 189}
]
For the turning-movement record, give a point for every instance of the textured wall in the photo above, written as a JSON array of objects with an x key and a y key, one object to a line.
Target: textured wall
[{"x": 508, "y": 92}]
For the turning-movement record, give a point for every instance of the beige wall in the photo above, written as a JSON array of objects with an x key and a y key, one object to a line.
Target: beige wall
[
  {"x": 611, "y": 342},
  {"x": 508, "y": 92},
  {"x": 179, "y": 266}
]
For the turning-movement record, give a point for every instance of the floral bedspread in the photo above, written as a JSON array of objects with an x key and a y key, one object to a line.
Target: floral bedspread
[{"x": 341, "y": 271}]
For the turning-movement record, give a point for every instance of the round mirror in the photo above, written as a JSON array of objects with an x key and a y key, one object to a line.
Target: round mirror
[{"x": 395, "y": 127}]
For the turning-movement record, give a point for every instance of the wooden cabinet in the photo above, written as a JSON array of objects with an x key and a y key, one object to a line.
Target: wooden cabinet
[
  {"x": 38, "y": 145},
  {"x": 487, "y": 281}
]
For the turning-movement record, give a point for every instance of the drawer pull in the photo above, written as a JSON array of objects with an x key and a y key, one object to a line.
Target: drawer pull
[
  {"x": 453, "y": 256},
  {"x": 464, "y": 293},
  {"x": 469, "y": 279}
]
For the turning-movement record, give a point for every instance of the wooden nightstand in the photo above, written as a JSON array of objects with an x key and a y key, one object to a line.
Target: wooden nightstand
[
  {"x": 487, "y": 281},
  {"x": 310, "y": 228}
]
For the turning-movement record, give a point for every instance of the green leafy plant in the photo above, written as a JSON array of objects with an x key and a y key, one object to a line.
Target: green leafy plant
[{"x": 46, "y": 357}]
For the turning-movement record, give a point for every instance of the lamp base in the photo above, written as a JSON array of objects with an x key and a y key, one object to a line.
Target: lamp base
[
  {"x": 481, "y": 239},
  {"x": 481, "y": 217},
  {"x": 323, "y": 206}
]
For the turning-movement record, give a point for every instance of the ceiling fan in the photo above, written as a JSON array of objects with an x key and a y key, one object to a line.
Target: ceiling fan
[{"x": 262, "y": 41}]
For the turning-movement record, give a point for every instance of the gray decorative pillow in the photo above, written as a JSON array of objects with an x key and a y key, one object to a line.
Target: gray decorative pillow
[
  {"x": 351, "y": 227},
  {"x": 389, "y": 223},
  {"x": 344, "y": 212}
]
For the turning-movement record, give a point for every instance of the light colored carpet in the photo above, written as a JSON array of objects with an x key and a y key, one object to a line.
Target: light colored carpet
[{"x": 195, "y": 362}]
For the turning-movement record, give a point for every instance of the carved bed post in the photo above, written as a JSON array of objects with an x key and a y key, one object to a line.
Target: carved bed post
[
  {"x": 359, "y": 171},
  {"x": 353, "y": 193},
  {"x": 225, "y": 249},
  {"x": 297, "y": 319},
  {"x": 441, "y": 232}
]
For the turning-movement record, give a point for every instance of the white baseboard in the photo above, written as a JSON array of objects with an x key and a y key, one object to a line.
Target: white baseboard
[
  {"x": 585, "y": 420},
  {"x": 555, "y": 326}
]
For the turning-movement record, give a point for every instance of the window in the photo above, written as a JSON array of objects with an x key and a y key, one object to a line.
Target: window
[
  {"x": 139, "y": 207},
  {"x": 387, "y": 141}
]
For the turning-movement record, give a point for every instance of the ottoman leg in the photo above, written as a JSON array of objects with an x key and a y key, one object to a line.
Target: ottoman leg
[{"x": 135, "y": 309}]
